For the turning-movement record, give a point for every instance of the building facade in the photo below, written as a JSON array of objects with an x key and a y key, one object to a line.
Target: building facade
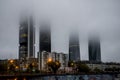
[
  {"x": 45, "y": 38},
  {"x": 101, "y": 65},
  {"x": 44, "y": 44},
  {"x": 26, "y": 38},
  {"x": 45, "y": 56},
  {"x": 74, "y": 49},
  {"x": 94, "y": 49}
]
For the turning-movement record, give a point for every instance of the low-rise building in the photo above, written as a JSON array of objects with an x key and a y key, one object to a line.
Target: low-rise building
[
  {"x": 101, "y": 65},
  {"x": 44, "y": 57}
]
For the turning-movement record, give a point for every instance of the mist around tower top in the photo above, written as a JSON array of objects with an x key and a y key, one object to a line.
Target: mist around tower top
[{"x": 100, "y": 17}]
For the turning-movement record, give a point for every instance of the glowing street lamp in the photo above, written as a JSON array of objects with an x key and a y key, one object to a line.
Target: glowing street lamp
[
  {"x": 16, "y": 67},
  {"x": 11, "y": 61},
  {"x": 72, "y": 64},
  {"x": 49, "y": 59},
  {"x": 27, "y": 65},
  {"x": 15, "y": 79}
]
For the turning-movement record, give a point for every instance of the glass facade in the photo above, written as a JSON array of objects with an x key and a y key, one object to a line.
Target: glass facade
[
  {"x": 74, "y": 49},
  {"x": 45, "y": 38},
  {"x": 26, "y": 39},
  {"x": 94, "y": 50}
]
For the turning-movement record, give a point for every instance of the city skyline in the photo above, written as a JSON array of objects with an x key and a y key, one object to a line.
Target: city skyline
[{"x": 88, "y": 16}]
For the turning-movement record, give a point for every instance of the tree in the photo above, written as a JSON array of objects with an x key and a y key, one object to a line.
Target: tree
[
  {"x": 118, "y": 69},
  {"x": 97, "y": 70},
  {"x": 54, "y": 65},
  {"x": 12, "y": 68},
  {"x": 3, "y": 68},
  {"x": 30, "y": 67},
  {"x": 108, "y": 69},
  {"x": 71, "y": 64},
  {"x": 82, "y": 67}
]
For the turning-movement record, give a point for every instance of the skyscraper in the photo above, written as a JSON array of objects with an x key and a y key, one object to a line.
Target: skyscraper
[
  {"x": 94, "y": 49},
  {"x": 74, "y": 49},
  {"x": 26, "y": 38},
  {"x": 44, "y": 41},
  {"x": 45, "y": 38}
]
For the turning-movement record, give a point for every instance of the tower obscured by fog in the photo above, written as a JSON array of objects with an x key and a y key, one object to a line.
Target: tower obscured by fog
[
  {"x": 74, "y": 49},
  {"x": 26, "y": 38},
  {"x": 94, "y": 49},
  {"x": 45, "y": 37},
  {"x": 44, "y": 42}
]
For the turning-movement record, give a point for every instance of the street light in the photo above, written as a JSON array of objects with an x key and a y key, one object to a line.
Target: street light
[
  {"x": 49, "y": 59},
  {"x": 11, "y": 61},
  {"x": 16, "y": 67},
  {"x": 27, "y": 65},
  {"x": 15, "y": 79},
  {"x": 72, "y": 64}
]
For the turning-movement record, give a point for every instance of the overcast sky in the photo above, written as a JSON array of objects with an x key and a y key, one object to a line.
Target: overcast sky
[{"x": 87, "y": 16}]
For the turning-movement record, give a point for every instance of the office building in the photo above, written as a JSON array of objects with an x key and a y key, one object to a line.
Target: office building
[
  {"x": 94, "y": 49},
  {"x": 45, "y": 38},
  {"x": 74, "y": 49},
  {"x": 44, "y": 44},
  {"x": 26, "y": 38}
]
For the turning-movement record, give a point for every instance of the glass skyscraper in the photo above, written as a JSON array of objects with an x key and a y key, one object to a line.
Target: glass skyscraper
[
  {"x": 44, "y": 41},
  {"x": 94, "y": 49},
  {"x": 74, "y": 49},
  {"x": 45, "y": 38},
  {"x": 26, "y": 38}
]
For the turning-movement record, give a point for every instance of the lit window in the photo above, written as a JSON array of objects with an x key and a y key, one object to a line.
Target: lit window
[{"x": 24, "y": 35}]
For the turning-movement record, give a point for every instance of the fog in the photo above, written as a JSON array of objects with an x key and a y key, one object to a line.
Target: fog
[{"x": 86, "y": 16}]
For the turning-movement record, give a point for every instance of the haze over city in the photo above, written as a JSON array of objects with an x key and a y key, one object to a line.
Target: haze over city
[{"x": 96, "y": 17}]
